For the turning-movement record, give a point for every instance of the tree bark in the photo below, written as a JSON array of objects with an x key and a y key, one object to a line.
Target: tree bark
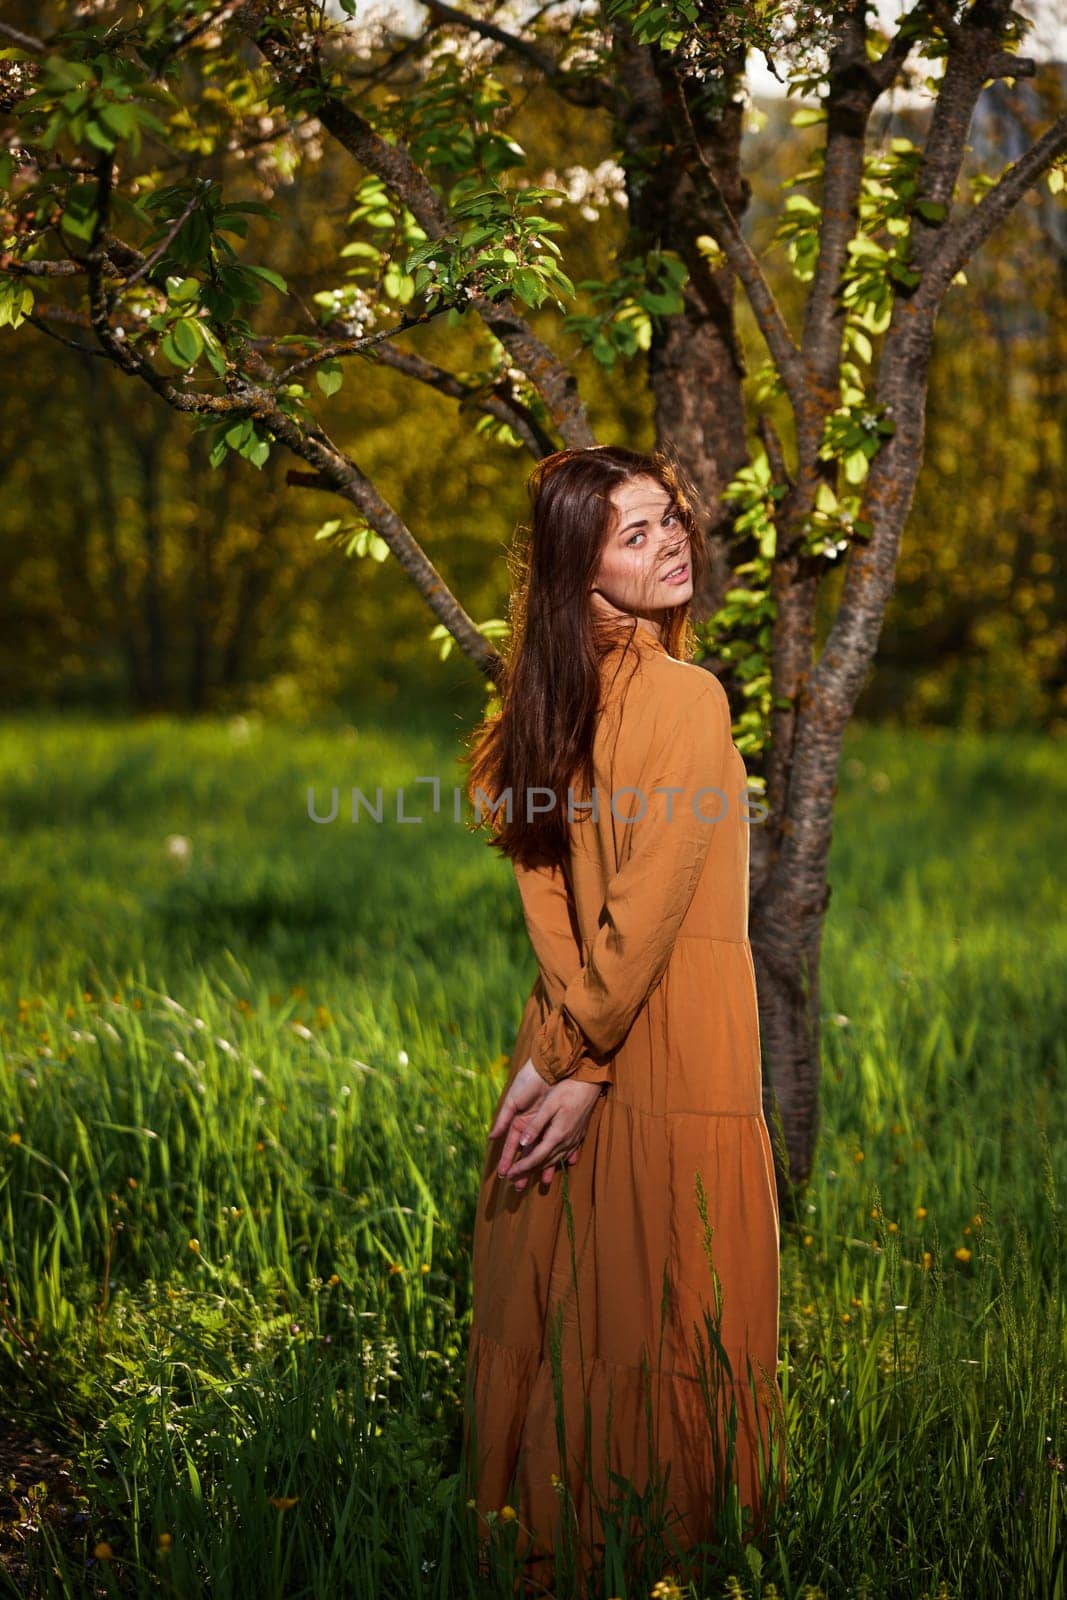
[{"x": 695, "y": 364}]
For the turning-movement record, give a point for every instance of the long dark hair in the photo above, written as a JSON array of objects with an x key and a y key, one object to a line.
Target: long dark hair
[{"x": 550, "y": 692}]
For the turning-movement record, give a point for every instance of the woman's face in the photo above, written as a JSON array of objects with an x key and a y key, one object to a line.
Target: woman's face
[{"x": 644, "y": 565}]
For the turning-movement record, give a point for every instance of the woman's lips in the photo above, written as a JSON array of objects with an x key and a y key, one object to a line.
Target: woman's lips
[{"x": 679, "y": 577}]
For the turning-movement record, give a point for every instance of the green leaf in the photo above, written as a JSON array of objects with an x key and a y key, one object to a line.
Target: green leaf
[
  {"x": 801, "y": 204},
  {"x": 238, "y": 432},
  {"x": 330, "y": 376},
  {"x": 187, "y": 340},
  {"x": 275, "y": 279},
  {"x": 860, "y": 343},
  {"x": 529, "y": 287},
  {"x": 856, "y": 466},
  {"x": 100, "y": 138},
  {"x": 180, "y": 290}
]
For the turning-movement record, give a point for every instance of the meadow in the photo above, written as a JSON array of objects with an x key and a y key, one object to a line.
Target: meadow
[{"x": 247, "y": 1065}]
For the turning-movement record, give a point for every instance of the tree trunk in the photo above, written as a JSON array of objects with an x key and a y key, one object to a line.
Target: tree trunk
[
  {"x": 696, "y": 369},
  {"x": 150, "y": 454},
  {"x": 695, "y": 363},
  {"x": 107, "y": 509}
]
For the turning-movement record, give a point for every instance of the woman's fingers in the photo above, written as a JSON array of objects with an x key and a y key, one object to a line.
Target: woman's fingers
[
  {"x": 544, "y": 1148},
  {"x": 523, "y": 1135},
  {"x": 516, "y": 1136},
  {"x": 503, "y": 1119},
  {"x": 525, "y": 1093},
  {"x": 550, "y": 1171}
]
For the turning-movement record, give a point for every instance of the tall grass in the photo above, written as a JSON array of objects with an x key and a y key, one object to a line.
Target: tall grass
[{"x": 248, "y": 1065}]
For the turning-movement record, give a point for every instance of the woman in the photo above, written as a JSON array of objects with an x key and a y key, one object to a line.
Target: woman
[{"x": 621, "y": 1311}]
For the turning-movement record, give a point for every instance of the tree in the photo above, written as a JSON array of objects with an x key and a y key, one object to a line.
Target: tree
[{"x": 448, "y": 225}]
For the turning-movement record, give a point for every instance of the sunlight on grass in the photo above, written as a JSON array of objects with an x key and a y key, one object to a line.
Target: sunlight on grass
[{"x": 248, "y": 1065}]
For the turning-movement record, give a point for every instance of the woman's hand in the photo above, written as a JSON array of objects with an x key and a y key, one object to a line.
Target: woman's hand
[{"x": 545, "y": 1124}]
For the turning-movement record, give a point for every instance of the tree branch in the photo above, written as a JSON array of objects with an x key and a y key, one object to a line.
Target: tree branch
[
  {"x": 557, "y": 386},
  {"x": 167, "y": 240},
  {"x": 973, "y": 45},
  {"x": 884, "y": 71},
  {"x": 851, "y": 98},
  {"x": 334, "y": 469},
  {"x": 578, "y": 91},
  {"x": 959, "y": 243},
  {"x": 25, "y": 41},
  {"x": 356, "y": 345},
  {"x": 37, "y": 320},
  {"x": 499, "y": 404}
]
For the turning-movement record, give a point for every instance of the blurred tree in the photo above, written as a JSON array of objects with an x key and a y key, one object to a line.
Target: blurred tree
[
  {"x": 138, "y": 255},
  {"x": 976, "y": 631}
]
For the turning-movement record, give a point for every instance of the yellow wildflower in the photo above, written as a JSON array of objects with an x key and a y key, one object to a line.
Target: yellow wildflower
[
  {"x": 284, "y": 1502},
  {"x": 508, "y": 1513},
  {"x": 920, "y": 1212},
  {"x": 962, "y": 1254},
  {"x": 165, "y": 1541},
  {"x": 927, "y": 1260},
  {"x": 858, "y": 1156},
  {"x": 333, "y": 1280},
  {"x": 14, "y": 1138},
  {"x": 103, "y": 1551},
  {"x": 194, "y": 1246}
]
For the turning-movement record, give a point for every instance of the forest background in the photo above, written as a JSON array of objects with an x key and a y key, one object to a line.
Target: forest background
[{"x": 138, "y": 577}]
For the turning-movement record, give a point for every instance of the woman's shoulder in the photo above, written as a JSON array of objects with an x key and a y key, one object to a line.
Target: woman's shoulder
[
  {"x": 666, "y": 686},
  {"x": 666, "y": 702}
]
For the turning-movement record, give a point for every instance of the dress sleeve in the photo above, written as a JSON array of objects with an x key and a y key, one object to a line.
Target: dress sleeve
[
  {"x": 683, "y": 791},
  {"x": 546, "y": 905}
]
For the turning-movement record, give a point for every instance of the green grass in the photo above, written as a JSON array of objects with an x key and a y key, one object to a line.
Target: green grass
[{"x": 244, "y": 1097}]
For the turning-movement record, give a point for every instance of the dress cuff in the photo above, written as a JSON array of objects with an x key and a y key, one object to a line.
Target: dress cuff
[{"x": 561, "y": 1050}]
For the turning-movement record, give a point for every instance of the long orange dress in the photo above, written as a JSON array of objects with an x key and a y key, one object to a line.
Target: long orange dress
[{"x": 646, "y": 984}]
